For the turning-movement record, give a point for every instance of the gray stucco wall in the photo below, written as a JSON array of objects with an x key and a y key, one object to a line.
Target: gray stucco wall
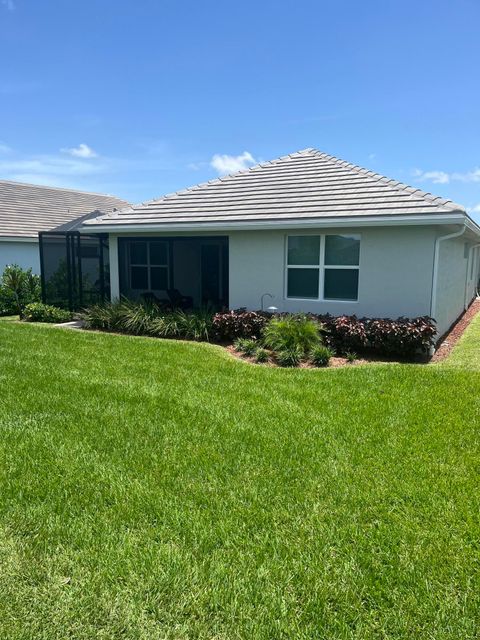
[
  {"x": 25, "y": 254},
  {"x": 395, "y": 277},
  {"x": 457, "y": 280}
]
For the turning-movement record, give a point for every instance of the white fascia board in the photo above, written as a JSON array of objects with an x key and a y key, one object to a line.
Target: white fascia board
[
  {"x": 350, "y": 221},
  {"x": 18, "y": 239}
]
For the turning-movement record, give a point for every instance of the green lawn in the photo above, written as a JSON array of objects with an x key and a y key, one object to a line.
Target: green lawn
[{"x": 161, "y": 490}]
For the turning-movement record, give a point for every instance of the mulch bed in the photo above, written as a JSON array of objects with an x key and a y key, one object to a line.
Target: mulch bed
[
  {"x": 449, "y": 340},
  {"x": 335, "y": 361},
  {"x": 446, "y": 345}
]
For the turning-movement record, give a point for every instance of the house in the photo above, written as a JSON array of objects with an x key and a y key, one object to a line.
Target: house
[
  {"x": 27, "y": 209},
  {"x": 306, "y": 232}
]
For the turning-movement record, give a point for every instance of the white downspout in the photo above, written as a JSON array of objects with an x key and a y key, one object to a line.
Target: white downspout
[
  {"x": 436, "y": 254},
  {"x": 465, "y": 301}
]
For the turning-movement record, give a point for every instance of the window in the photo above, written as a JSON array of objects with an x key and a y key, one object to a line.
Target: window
[
  {"x": 323, "y": 267},
  {"x": 148, "y": 265}
]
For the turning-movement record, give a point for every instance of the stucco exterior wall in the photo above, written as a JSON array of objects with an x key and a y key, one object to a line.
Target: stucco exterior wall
[
  {"x": 457, "y": 280},
  {"x": 25, "y": 254},
  {"x": 395, "y": 274},
  {"x": 395, "y": 277}
]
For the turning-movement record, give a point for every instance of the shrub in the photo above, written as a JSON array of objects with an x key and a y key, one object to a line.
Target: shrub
[
  {"x": 402, "y": 337},
  {"x": 229, "y": 325},
  {"x": 193, "y": 325},
  {"x": 320, "y": 355},
  {"x": 239, "y": 344},
  {"x": 145, "y": 319},
  {"x": 136, "y": 319},
  {"x": 345, "y": 332},
  {"x": 261, "y": 355},
  {"x": 290, "y": 356},
  {"x": 39, "y": 312},
  {"x": 250, "y": 346},
  {"x": 351, "y": 356},
  {"x": 291, "y": 332},
  {"x": 108, "y": 316},
  {"x": 18, "y": 287}
]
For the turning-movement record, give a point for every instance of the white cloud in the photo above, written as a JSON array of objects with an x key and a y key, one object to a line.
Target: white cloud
[
  {"x": 82, "y": 151},
  {"x": 474, "y": 209},
  {"x": 224, "y": 164},
  {"x": 9, "y": 4},
  {"x": 50, "y": 169},
  {"x": 442, "y": 177},
  {"x": 437, "y": 177},
  {"x": 470, "y": 176}
]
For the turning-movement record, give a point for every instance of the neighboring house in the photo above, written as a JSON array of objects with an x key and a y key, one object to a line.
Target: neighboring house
[
  {"x": 27, "y": 209},
  {"x": 315, "y": 233}
]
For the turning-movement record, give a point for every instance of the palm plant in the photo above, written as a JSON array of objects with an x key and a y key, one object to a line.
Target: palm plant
[{"x": 296, "y": 332}]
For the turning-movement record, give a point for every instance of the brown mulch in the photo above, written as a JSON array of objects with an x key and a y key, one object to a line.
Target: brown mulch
[
  {"x": 455, "y": 332},
  {"x": 334, "y": 363}
]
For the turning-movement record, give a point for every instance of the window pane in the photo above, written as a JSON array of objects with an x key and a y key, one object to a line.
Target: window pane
[
  {"x": 159, "y": 277},
  {"x": 138, "y": 253},
  {"x": 341, "y": 284},
  {"x": 342, "y": 250},
  {"x": 302, "y": 283},
  {"x": 303, "y": 249},
  {"x": 158, "y": 253},
  {"x": 139, "y": 277}
]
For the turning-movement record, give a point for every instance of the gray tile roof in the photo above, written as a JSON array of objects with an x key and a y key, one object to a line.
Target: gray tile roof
[
  {"x": 26, "y": 209},
  {"x": 302, "y": 185}
]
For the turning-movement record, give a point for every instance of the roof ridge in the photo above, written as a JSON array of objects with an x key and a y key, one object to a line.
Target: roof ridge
[{"x": 68, "y": 189}]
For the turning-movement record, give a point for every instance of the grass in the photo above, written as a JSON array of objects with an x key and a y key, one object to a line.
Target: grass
[
  {"x": 160, "y": 490},
  {"x": 466, "y": 355}
]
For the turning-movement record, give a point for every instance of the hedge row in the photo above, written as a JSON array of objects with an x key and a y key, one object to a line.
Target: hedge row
[{"x": 403, "y": 336}]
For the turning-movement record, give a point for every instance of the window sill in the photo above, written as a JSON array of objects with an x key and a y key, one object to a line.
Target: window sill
[{"x": 322, "y": 300}]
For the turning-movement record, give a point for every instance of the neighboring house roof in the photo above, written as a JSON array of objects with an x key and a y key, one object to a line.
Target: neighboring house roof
[
  {"x": 301, "y": 186},
  {"x": 26, "y": 209}
]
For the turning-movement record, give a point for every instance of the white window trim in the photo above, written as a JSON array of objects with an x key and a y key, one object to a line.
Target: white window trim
[
  {"x": 321, "y": 266},
  {"x": 148, "y": 265}
]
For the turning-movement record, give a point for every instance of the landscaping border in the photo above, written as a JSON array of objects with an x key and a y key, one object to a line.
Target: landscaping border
[{"x": 449, "y": 339}]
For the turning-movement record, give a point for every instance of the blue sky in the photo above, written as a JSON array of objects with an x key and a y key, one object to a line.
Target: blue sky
[{"x": 142, "y": 98}]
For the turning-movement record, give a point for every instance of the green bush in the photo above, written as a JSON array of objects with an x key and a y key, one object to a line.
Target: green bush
[
  {"x": 296, "y": 332},
  {"x": 250, "y": 346},
  {"x": 320, "y": 355},
  {"x": 261, "y": 355},
  {"x": 290, "y": 356},
  {"x": 39, "y": 312},
  {"x": 192, "y": 325},
  {"x": 351, "y": 356},
  {"x": 107, "y": 316},
  {"x": 239, "y": 344},
  {"x": 148, "y": 320},
  {"x": 18, "y": 287}
]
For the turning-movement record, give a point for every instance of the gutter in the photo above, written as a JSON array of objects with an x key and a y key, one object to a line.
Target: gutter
[
  {"x": 298, "y": 223},
  {"x": 436, "y": 253},
  {"x": 28, "y": 239}
]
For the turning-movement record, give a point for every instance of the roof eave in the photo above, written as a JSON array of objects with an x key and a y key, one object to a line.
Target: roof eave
[{"x": 324, "y": 222}]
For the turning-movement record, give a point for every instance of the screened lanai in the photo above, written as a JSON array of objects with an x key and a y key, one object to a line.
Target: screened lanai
[
  {"x": 74, "y": 269},
  {"x": 186, "y": 272}
]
